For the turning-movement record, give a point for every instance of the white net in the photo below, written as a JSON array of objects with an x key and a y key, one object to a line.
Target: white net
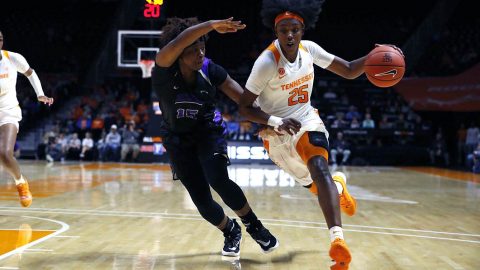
[{"x": 146, "y": 66}]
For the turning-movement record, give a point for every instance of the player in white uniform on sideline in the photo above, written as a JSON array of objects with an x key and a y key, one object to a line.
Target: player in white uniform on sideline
[
  {"x": 278, "y": 93},
  {"x": 10, "y": 114}
]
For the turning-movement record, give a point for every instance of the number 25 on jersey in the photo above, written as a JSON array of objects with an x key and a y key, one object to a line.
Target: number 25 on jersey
[{"x": 298, "y": 95}]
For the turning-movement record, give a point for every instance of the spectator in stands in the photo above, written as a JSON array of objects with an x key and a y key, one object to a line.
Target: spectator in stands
[
  {"x": 329, "y": 94},
  {"x": 111, "y": 150},
  {"x": 84, "y": 123},
  {"x": 352, "y": 113},
  {"x": 233, "y": 129},
  {"x": 473, "y": 160},
  {"x": 63, "y": 141},
  {"x": 87, "y": 147},
  {"x": 354, "y": 123},
  {"x": 54, "y": 151},
  {"x": 384, "y": 123},
  {"x": 246, "y": 131},
  {"x": 472, "y": 139},
  {"x": 130, "y": 143},
  {"x": 461, "y": 138},
  {"x": 100, "y": 145},
  {"x": 368, "y": 122},
  {"x": 401, "y": 123},
  {"x": 42, "y": 147},
  {"x": 340, "y": 146},
  {"x": 339, "y": 122},
  {"x": 74, "y": 147},
  {"x": 438, "y": 150}
]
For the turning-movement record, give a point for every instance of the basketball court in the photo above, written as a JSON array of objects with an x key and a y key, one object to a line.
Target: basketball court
[{"x": 133, "y": 216}]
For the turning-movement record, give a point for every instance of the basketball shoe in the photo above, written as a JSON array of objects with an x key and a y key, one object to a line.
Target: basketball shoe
[
  {"x": 263, "y": 237},
  {"x": 348, "y": 204},
  {"x": 340, "y": 253},
  {"x": 24, "y": 194},
  {"x": 231, "y": 245}
]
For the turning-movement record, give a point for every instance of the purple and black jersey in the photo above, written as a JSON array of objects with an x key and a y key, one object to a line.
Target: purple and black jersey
[{"x": 188, "y": 109}]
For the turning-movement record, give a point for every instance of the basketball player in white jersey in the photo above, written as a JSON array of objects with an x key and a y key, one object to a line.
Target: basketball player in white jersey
[
  {"x": 278, "y": 93},
  {"x": 10, "y": 114}
]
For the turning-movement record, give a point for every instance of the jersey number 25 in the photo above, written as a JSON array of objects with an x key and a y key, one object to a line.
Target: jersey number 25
[{"x": 298, "y": 95}]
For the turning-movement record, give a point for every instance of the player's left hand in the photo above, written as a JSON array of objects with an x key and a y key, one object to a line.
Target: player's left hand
[
  {"x": 45, "y": 100},
  {"x": 393, "y": 46},
  {"x": 227, "y": 25}
]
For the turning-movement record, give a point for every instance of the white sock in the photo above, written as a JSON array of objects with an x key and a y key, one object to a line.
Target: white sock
[
  {"x": 339, "y": 187},
  {"x": 336, "y": 232},
  {"x": 19, "y": 181}
]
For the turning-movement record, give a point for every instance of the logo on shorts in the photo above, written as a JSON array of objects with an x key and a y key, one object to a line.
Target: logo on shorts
[{"x": 281, "y": 73}]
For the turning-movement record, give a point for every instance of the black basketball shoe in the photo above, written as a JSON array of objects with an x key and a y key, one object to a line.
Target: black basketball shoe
[
  {"x": 263, "y": 237},
  {"x": 232, "y": 241}
]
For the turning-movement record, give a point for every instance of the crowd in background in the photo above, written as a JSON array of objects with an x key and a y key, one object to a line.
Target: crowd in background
[{"x": 108, "y": 121}]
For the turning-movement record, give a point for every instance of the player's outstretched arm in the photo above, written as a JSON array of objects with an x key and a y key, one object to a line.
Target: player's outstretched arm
[
  {"x": 353, "y": 69},
  {"x": 169, "y": 54},
  {"x": 232, "y": 89}
]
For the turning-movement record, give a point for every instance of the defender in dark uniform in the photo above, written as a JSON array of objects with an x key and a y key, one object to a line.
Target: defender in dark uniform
[{"x": 185, "y": 83}]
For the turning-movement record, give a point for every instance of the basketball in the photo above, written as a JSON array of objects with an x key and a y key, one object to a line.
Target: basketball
[{"x": 384, "y": 66}]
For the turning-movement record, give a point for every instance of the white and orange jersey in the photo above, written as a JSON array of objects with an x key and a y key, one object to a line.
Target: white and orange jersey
[
  {"x": 10, "y": 64},
  {"x": 283, "y": 88}
]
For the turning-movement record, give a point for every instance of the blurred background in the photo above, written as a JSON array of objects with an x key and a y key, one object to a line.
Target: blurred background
[{"x": 88, "y": 54}]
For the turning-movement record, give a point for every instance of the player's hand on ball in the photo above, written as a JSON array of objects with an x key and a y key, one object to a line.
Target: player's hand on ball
[
  {"x": 227, "y": 26},
  {"x": 45, "y": 100},
  {"x": 290, "y": 125},
  {"x": 393, "y": 46}
]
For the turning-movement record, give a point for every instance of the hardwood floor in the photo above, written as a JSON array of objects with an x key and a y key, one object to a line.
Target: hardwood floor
[{"x": 133, "y": 216}]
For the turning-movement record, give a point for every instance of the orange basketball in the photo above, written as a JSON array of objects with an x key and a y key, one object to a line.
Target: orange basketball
[{"x": 384, "y": 66}]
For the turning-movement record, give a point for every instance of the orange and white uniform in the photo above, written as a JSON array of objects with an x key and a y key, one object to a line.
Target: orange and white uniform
[
  {"x": 10, "y": 64},
  {"x": 284, "y": 90}
]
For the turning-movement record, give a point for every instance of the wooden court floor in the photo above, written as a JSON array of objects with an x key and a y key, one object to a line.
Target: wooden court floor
[{"x": 131, "y": 216}]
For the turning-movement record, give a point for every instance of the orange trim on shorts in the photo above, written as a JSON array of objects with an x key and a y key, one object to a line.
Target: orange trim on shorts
[
  {"x": 306, "y": 150},
  {"x": 266, "y": 145},
  {"x": 275, "y": 51}
]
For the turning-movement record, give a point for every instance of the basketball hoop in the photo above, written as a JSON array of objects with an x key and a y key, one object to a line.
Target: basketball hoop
[{"x": 146, "y": 66}]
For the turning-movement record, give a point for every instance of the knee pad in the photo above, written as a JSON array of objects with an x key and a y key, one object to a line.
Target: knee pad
[{"x": 312, "y": 143}]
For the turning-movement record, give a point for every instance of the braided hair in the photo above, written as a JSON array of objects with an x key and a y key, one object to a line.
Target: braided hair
[
  {"x": 307, "y": 9},
  {"x": 175, "y": 26}
]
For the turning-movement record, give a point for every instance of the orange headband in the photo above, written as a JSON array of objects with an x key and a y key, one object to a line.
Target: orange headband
[{"x": 288, "y": 15}]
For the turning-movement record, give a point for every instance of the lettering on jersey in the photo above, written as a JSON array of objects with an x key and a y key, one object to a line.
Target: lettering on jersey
[
  {"x": 4, "y": 76},
  {"x": 298, "y": 82}
]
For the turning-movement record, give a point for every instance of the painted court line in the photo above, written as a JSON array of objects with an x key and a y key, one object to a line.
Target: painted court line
[
  {"x": 450, "y": 262},
  {"x": 64, "y": 228},
  {"x": 274, "y": 222},
  {"x": 38, "y": 250},
  {"x": 374, "y": 232}
]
